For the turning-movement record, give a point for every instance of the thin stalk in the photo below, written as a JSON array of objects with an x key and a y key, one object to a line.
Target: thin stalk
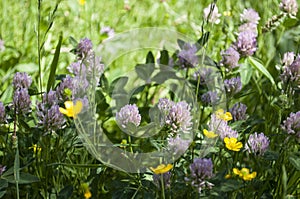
[
  {"x": 162, "y": 186},
  {"x": 39, "y": 43}
]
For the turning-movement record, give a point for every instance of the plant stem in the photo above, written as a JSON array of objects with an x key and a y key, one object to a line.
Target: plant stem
[{"x": 162, "y": 186}]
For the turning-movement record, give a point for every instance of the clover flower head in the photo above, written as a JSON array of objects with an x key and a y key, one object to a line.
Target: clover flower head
[
  {"x": 233, "y": 85},
  {"x": 77, "y": 68},
  {"x": 50, "y": 118},
  {"x": 220, "y": 127},
  {"x": 292, "y": 124},
  {"x": 238, "y": 111},
  {"x": 289, "y": 6},
  {"x": 84, "y": 47},
  {"x": 178, "y": 145},
  {"x": 201, "y": 169},
  {"x": 250, "y": 16},
  {"x": 22, "y": 80},
  {"x": 179, "y": 117},
  {"x": 291, "y": 73},
  {"x": 166, "y": 179},
  {"x": 2, "y": 113},
  {"x": 210, "y": 98},
  {"x": 187, "y": 56},
  {"x": 288, "y": 58},
  {"x": 246, "y": 43},
  {"x": 252, "y": 27},
  {"x": 108, "y": 31},
  {"x": 65, "y": 84},
  {"x": 128, "y": 114},
  {"x": 211, "y": 13},
  {"x": 21, "y": 101},
  {"x": 204, "y": 75},
  {"x": 230, "y": 58},
  {"x": 257, "y": 144}
]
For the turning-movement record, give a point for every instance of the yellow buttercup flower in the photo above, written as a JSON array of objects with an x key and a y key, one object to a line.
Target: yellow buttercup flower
[
  {"x": 232, "y": 144},
  {"x": 162, "y": 168},
  {"x": 227, "y": 13},
  {"x": 209, "y": 134},
  {"x": 81, "y": 2},
  {"x": 227, "y": 176},
  {"x": 223, "y": 116},
  {"x": 71, "y": 110},
  {"x": 86, "y": 191},
  {"x": 244, "y": 173}
]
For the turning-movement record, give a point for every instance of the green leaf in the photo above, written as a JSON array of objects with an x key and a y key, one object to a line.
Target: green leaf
[
  {"x": 203, "y": 40},
  {"x": 164, "y": 57},
  {"x": 150, "y": 58},
  {"x": 256, "y": 64},
  {"x": 17, "y": 167},
  {"x": 66, "y": 192},
  {"x": 245, "y": 71},
  {"x": 3, "y": 183},
  {"x": 180, "y": 43},
  {"x": 295, "y": 161},
  {"x": 51, "y": 79},
  {"x": 73, "y": 41},
  {"x": 23, "y": 178},
  {"x": 144, "y": 71}
]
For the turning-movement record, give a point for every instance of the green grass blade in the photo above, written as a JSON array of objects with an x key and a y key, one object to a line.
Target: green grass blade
[{"x": 51, "y": 79}]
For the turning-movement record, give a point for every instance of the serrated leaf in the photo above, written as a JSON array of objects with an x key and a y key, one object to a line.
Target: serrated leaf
[
  {"x": 256, "y": 64},
  {"x": 150, "y": 58},
  {"x": 51, "y": 79}
]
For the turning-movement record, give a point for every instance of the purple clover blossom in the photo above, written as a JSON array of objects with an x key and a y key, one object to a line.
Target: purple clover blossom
[
  {"x": 210, "y": 98},
  {"x": 292, "y": 124},
  {"x": 291, "y": 72},
  {"x": 77, "y": 68},
  {"x": 204, "y": 74},
  {"x": 233, "y": 85},
  {"x": 201, "y": 170},
  {"x": 165, "y": 105},
  {"x": 221, "y": 127},
  {"x": 246, "y": 43},
  {"x": 289, "y": 6},
  {"x": 66, "y": 83},
  {"x": 178, "y": 145},
  {"x": 179, "y": 117},
  {"x": 94, "y": 67},
  {"x": 187, "y": 56},
  {"x": 22, "y": 80},
  {"x": 166, "y": 179},
  {"x": 238, "y": 111},
  {"x": 288, "y": 58},
  {"x": 108, "y": 31},
  {"x": 211, "y": 13},
  {"x": 257, "y": 144},
  {"x": 128, "y": 114},
  {"x": 252, "y": 27},
  {"x": 21, "y": 101},
  {"x": 250, "y": 16},
  {"x": 2, "y": 113},
  {"x": 230, "y": 58},
  {"x": 50, "y": 118},
  {"x": 84, "y": 47}
]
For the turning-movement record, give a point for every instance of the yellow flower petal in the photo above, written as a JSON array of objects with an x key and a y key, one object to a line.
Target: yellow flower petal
[
  {"x": 162, "y": 168},
  {"x": 223, "y": 116},
  {"x": 209, "y": 134},
  {"x": 236, "y": 171},
  {"x": 71, "y": 110},
  {"x": 232, "y": 144}
]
